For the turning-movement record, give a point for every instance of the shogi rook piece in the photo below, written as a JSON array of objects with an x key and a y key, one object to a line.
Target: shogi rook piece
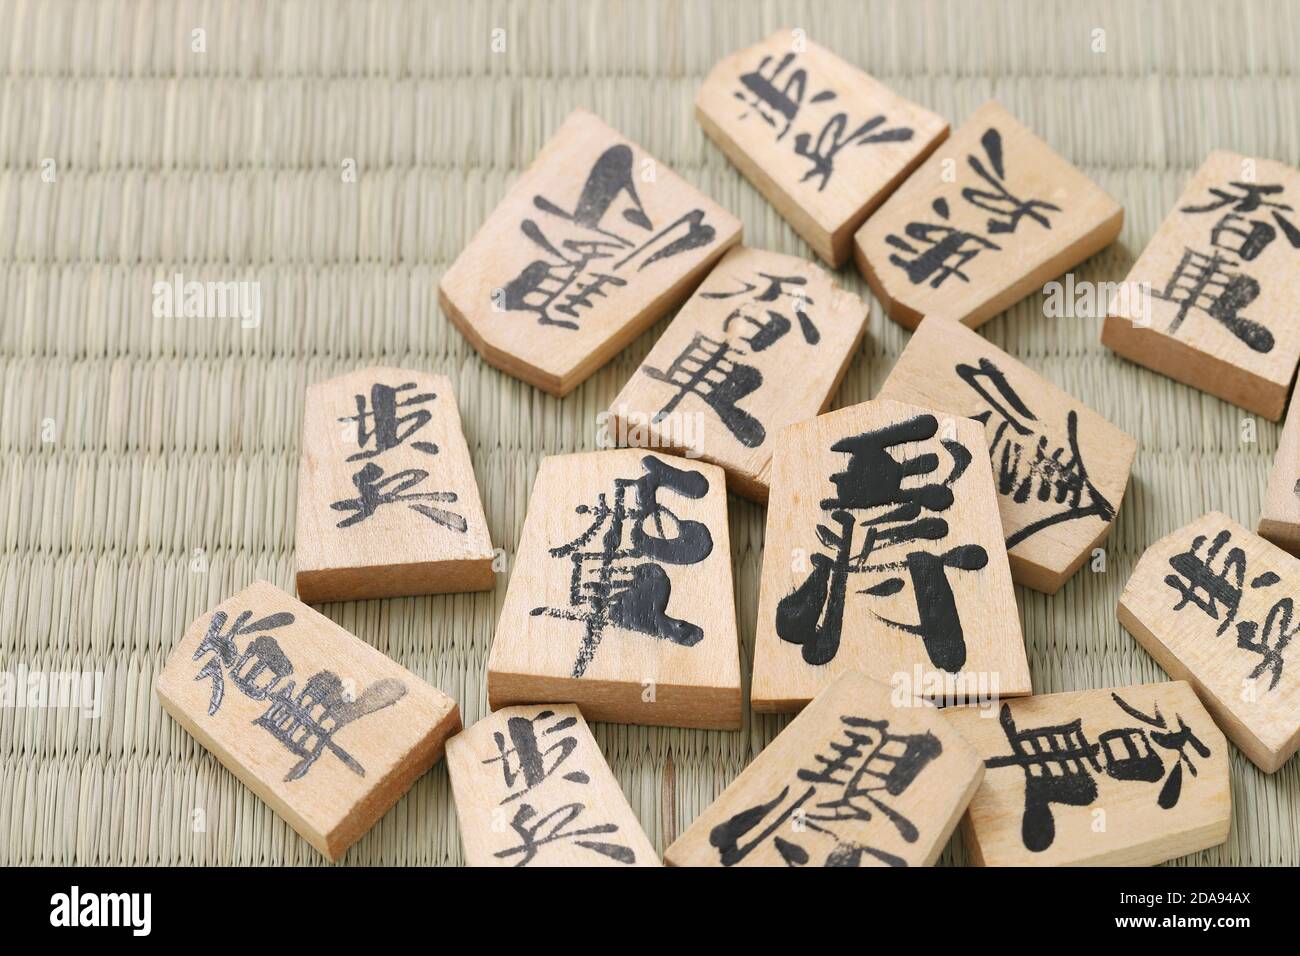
[
  {"x": 592, "y": 244},
  {"x": 532, "y": 789},
  {"x": 1060, "y": 469},
  {"x": 884, "y": 554},
  {"x": 824, "y": 142},
  {"x": 1211, "y": 302},
  {"x": 1214, "y": 604},
  {"x": 987, "y": 219},
  {"x": 319, "y": 724},
  {"x": 387, "y": 501},
  {"x": 621, "y": 596},
  {"x": 1280, "y": 520},
  {"x": 854, "y": 780},
  {"x": 1129, "y": 776},
  {"x": 763, "y": 343}
]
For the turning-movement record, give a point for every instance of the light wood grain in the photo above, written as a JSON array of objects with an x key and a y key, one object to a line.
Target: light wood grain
[{"x": 1279, "y": 521}]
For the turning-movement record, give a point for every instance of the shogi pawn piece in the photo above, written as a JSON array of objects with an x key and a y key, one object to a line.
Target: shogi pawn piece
[
  {"x": 320, "y": 725},
  {"x": 387, "y": 501},
  {"x": 1125, "y": 776},
  {"x": 763, "y": 343},
  {"x": 822, "y": 141},
  {"x": 1214, "y": 604},
  {"x": 992, "y": 215},
  {"x": 1280, "y": 520},
  {"x": 532, "y": 789},
  {"x": 620, "y": 600},
  {"x": 592, "y": 244}
]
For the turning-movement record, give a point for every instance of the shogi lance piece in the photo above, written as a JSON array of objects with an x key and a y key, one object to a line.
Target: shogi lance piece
[
  {"x": 532, "y": 789},
  {"x": 854, "y": 780},
  {"x": 1125, "y": 776},
  {"x": 620, "y": 599},
  {"x": 387, "y": 501},
  {"x": 763, "y": 343},
  {"x": 992, "y": 215},
  {"x": 1059, "y": 468},
  {"x": 1280, "y": 520},
  {"x": 319, "y": 724},
  {"x": 884, "y": 554},
  {"x": 1214, "y": 604},
  {"x": 592, "y": 244},
  {"x": 1211, "y": 301},
  {"x": 824, "y": 142}
]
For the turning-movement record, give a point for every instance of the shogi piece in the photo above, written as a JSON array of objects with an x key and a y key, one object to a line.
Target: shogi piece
[
  {"x": 1211, "y": 301},
  {"x": 1214, "y": 604},
  {"x": 824, "y": 142},
  {"x": 991, "y": 216},
  {"x": 532, "y": 789},
  {"x": 1059, "y": 468},
  {"x": 592, "y": 244},
  {"x": 319, "y": 724},
  {"x": 763, "y": 343},
  {"x": 1129, "y": 776},
  {"x": 854, "y": 780},
  {"x": 1280, "y": 520},
  {"x": 620, "y": 599},
  {"x": 387, "y": 502},
  {"x": 884, "y": 554}
]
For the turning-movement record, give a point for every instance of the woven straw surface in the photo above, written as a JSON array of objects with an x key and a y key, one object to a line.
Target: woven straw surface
[{"x": 130, "y": 446}]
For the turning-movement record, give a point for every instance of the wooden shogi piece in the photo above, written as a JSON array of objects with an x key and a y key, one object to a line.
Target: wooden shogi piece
[
  {"x": 525, "y": 774},
  {"x": 1280, "y": 520},
  {"x": 1125, "y": 776},
  {"x": 387, "y": 501},
  {"x": 822, "y": 141},
  {"x": 592, "y": 244},
  {"x": 1002, "y": 250},
  {"x": 1211, "y": 301},
  {"x": 620, "y": 598},
  {"x": 1213, "y": 604},
  {"x": 813, "y": 796},
  {"x": 320, "y": 725},
  {"x": 763, "y": 343},
  {"x": 1060, "y": 469},
  {"x": 932, "y": 597}
]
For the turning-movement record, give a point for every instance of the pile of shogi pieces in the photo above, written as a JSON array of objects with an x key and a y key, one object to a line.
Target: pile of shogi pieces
[{"x": 895, "y": 530}]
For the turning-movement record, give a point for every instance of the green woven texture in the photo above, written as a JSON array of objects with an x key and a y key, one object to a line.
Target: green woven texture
[{"x": 128, "y": 443}]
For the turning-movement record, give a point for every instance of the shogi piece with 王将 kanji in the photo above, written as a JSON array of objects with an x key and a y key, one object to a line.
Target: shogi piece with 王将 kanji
[
  {"x": 824, "y": 142},
  {"x": 1214, "y": 604},
  {"x": 592, "y": 244},
  {"x": 620, "y": 596},
  {"x": 1279, "y": 521},
  {"x": 532, "y": 789},
  {"x": 884, "y": 554},
  {"x": 762, "y": 344},
  {"x": 854, "y": 780},
  {"x": 1125, "y": 776},
  {"x": 992, "y": 215},
  {"x": 323, "y": 727},
  {"x": 1060, "y": 469},
  {"x": 1211, "y": 301},
  {"x": 387, "y": 501}
]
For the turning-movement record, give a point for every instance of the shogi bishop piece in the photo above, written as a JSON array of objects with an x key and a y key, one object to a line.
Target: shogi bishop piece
[
  {"x": 323, "y": 727},
  {"x": 1211, "y": 302},
  {"x": 532, "y": 789},
  {"x": 824, "y": 142},
  {"x": 1125, "y": 776},
  {"x": 620, "y": 599},
  {"x": 1280, "y": 520},
  {"x": 1214, "y": 604},
  {"x": 763, "y": 343},
  {"x": 884, "y": 554},
  {"x": 592, "y": 244},
  {"x": 987, "y": 219},
  {"x": 387, "y": 501},
  {"x": 854, "y": 780},
  {"x": 1060, "y": 469}
]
